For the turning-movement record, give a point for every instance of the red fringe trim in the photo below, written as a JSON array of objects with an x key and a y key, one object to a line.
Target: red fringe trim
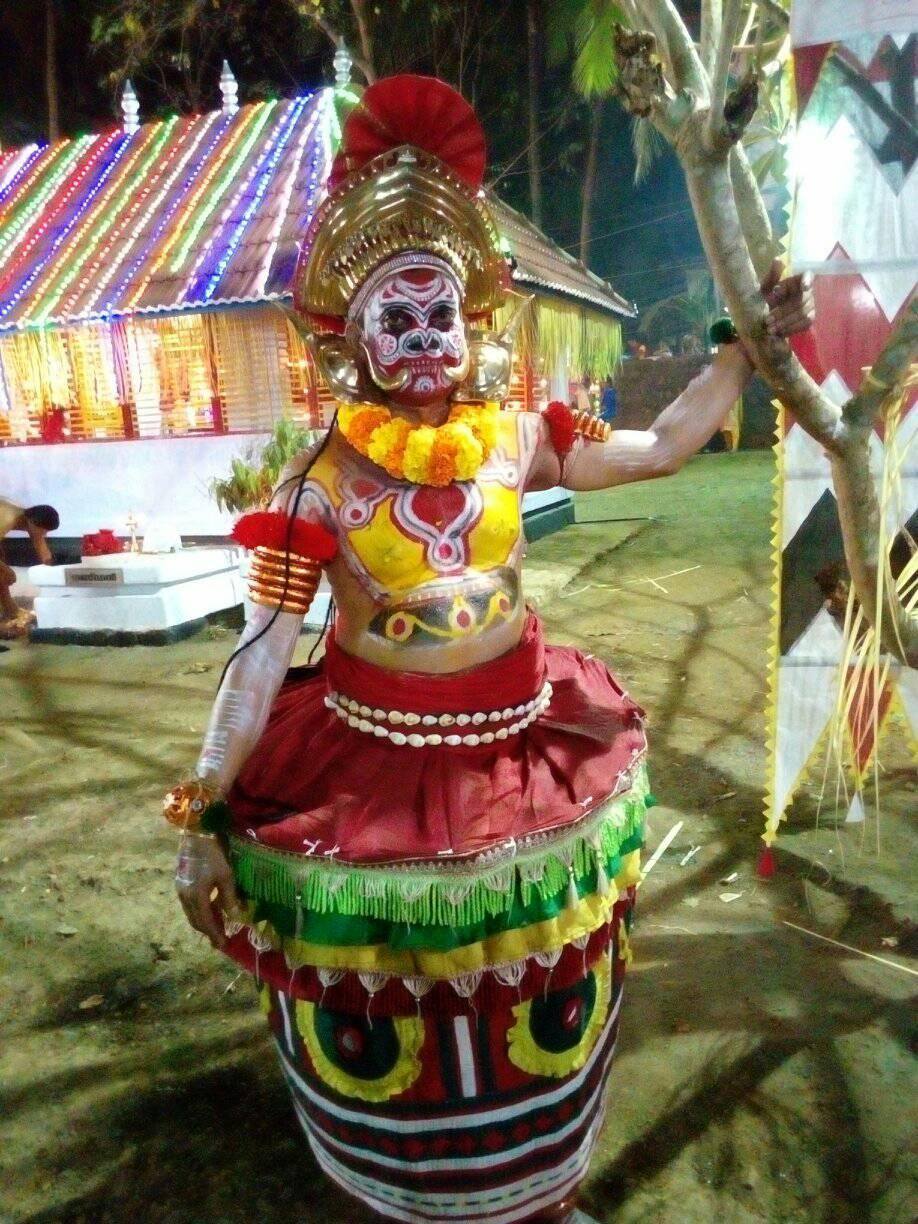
[
  {"x": 272, "y": 529},
  {"x": 562, "y": 427}
]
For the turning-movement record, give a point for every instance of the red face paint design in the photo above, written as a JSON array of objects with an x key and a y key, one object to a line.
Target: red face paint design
[{"x": 415, "y": 336}]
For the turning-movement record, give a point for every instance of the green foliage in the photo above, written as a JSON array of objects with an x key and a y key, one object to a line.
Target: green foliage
[
  {"x": 253, "y": 477},
  {"x": 764, "y": 139},
  {"x": 694, "y": 310},
  {"x": 594, "y": 67}
]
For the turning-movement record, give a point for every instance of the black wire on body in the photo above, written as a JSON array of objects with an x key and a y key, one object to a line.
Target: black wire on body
[{"x": 291, "y": 519}]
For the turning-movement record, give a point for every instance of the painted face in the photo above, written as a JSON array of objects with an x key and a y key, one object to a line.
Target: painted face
[{"x": 414, "y": 335}]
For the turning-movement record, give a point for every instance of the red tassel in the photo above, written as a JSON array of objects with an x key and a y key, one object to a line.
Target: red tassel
[
  {"x": 272, "y": 529},
  {"x": 562, "y": 427},
  {"x": 766, "y": 866}
]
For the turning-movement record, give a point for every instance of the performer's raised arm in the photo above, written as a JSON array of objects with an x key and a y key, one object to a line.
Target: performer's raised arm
[
  {"x": 290, "y": 546},
  {"x": 582, "y": 452}
]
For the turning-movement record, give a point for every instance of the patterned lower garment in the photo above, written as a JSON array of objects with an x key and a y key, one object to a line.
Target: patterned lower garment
[{"x": 484, "y": 1115}]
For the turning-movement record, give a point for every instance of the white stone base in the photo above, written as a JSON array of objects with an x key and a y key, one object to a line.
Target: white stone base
[{"x": 136, "y": 592}]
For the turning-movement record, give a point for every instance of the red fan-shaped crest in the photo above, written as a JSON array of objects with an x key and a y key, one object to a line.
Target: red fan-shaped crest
[{"x": 415, "y": 110}]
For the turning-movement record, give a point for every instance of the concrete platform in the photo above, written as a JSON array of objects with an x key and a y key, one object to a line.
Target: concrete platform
[{"x": 127, "y": 598}]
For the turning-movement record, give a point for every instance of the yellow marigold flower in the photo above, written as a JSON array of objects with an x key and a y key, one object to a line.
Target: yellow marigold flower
[
  {"x": 482, "y": 419},
  {"x": 417, "y": 453},
  {"x": 387, "y": 444},
  {"x": 468, "y": 450}
]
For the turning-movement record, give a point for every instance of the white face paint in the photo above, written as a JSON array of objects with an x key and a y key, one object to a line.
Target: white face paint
[{"x": 414, "y": 334}]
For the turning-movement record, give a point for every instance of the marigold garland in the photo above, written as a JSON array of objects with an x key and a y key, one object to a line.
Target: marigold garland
[{"x": 422, "y": 454}]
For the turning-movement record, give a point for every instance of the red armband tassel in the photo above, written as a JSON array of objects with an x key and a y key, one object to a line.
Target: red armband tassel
[
  {"x": 273, "y": 529},
  {"x": 561, "y": 427}
]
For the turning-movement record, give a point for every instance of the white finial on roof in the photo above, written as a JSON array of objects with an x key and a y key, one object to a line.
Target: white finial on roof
[
  {"x": 130, "y": 108},
  {"x": 229, "y": 87},
  {"x": 343, "y": 64}
]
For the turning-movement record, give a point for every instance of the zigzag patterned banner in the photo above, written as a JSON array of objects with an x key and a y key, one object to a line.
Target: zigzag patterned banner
[{"x": 854, "y": 224}]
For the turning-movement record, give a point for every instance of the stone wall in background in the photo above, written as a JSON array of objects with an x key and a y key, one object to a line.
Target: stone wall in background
[{"x": 646, "y": 386}]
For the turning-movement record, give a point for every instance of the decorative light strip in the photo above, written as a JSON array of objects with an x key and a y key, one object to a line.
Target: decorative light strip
[
  {"x": 72, "y": 260},
  {"x": 90, "y": 166},
  {"x": 211, "y": 248},
  {"x": 204, "y": 126},
  {"x": 20, "y": 191},
  {"x": 286, "y": 191},
  {"x": 91, "y": 271},
  {"x": 122, "y": 143},
  {"x": 17, "y": 163},
  {"x": 268, "y": 161},
  {"x": 198, "y": 184},
  {"x": 240, "y": 147},
  {"x": 22, "y": 211}
]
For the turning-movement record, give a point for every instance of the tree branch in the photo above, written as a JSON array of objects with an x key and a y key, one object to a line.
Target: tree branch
[
  {"x": 335, "y": 37},
  {"x": 753, "y": 215},
  {"x": 729, "y": 31},
  {"x": 358, "y": 8},
  {"x": 675, "y": 44},
  {"x": 711, "y": 18},
  {"x": 888, "y": 373}
]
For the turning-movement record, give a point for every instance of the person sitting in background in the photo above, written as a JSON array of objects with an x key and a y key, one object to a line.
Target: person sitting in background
[
  {"x": 37, "y": 521},
  {"x": 608, "y": 401},
  {"x": 582, "y": 401}
]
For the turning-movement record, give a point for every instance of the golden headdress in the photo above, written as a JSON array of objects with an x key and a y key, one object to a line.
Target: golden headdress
[{"x": 407, "y": 179}]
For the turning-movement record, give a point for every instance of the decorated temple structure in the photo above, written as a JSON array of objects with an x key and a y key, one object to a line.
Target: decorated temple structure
[{"x": 143, "y": 277}]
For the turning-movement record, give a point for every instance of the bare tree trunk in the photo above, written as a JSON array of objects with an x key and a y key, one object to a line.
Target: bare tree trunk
[
  {"x": 51, "y": 95},
  {"x": 534, "y": 45},
  {"x": 359, "y": 9},
  {"x": 589, "y": 178}
]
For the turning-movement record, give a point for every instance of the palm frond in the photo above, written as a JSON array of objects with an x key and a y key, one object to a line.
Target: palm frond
[{"x": 595, "y": 71}]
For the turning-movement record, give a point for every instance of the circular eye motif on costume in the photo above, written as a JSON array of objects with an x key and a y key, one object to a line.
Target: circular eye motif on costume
[
  {"x": 554, "y": 1034},
  {"x": 358, "y": 1059}
]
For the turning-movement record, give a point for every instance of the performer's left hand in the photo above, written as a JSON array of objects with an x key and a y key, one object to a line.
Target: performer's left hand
[{"x": 791, "y": 304}]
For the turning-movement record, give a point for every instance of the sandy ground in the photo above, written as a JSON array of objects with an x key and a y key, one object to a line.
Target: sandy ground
[{"x": 762, "y": 1075}]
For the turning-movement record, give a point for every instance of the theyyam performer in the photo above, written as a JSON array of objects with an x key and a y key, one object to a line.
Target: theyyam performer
[{"x": 426, "y": 847}]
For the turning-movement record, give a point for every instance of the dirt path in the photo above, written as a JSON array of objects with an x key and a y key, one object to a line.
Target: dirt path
[{"x": 762, "y": 1075}]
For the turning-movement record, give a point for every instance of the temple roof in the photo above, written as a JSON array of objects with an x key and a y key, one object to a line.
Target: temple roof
[{"x": 195, "y": 212}]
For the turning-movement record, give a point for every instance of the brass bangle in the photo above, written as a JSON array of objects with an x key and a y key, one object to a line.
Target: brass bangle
[
  {"x": 266, "y": 601},
  {"x": 290, "y": 583},
  {"x": 277, "y": 590},
  {"x": 301, "y": 572},
  {"x": 592, "y": 427},
  {"x": 185, "y": 804},
  {"x": 270, "y": 558}
]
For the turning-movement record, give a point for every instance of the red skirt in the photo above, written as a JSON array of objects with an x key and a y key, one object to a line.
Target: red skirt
[{"x": 316, "y": 786}]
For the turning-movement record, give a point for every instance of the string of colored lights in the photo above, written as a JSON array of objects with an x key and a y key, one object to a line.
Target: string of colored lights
[
  {"x": 72, "y": 259},
  {"x": 261, "y": 113},
  {"x": 267, "y": 165},
  {"x": 19, "y": 191},
  {"x": 28, "y": 201},
  {"x": 91, "y": 271},
  {"x": 315, "y": 183},
  {"x": 198, "y": 185},
  {"x": 121, "y": 141},
  {"x": 204, "y": 126},
  {"x": 210, "y": 251},
  {"x": 53, "y": 203},
  {"x": 286, "y": 191},
  {"x": 16, "y": 163},
  {"x": 38, "y": 188}
]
